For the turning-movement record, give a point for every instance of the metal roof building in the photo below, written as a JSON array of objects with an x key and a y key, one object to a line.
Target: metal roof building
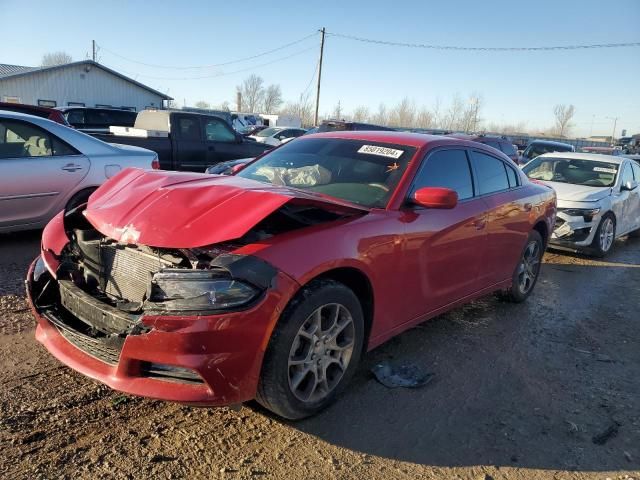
[{"x": 85, "y": 83}]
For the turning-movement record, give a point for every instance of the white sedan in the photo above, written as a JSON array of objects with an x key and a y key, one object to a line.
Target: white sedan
[
  {"x": 275, "y": 136},
  {"x": 46, "y": 167},
  {"x": 598, "y": 198}
]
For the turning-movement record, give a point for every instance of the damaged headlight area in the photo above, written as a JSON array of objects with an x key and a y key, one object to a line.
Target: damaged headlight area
[
  {"x": 586, "y": 213},
  {"x": 198, "y": 291}
]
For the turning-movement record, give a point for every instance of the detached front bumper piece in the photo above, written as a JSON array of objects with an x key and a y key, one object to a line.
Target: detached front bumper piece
[
  {"x": 574, "y": 231},
  {"x": 210, "y": 360}
]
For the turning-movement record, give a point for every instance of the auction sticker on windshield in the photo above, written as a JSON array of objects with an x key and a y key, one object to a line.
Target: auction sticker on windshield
[
  {"x": 382, "y": 151},
  {"x": 605, "y": 170}
]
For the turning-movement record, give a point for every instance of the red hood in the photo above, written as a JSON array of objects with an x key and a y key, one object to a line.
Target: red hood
[{"x": 186, "y": 210}]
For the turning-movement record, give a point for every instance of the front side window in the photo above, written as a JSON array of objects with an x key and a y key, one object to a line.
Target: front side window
[
  {"x": 627, "y": 174},
  {"x": 358, "y": 171},
  {"x": 491, "y": 173},
  {"x": 217, "y": 131},
  {"x": 448, "y": 169},
  {"x": 636, "y": 171},
  {"x": 576, "y": 171}
]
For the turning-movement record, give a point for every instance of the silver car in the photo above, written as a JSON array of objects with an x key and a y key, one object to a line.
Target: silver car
[
  {"x": 46, "y": 167},
  {"x": 598, "y": 198}
]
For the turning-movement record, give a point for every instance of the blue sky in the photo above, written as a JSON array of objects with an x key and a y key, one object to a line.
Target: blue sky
[{"x": 515, "y": 86}]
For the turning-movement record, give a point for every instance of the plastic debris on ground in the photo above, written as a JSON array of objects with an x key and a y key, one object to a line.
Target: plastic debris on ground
[{"x": 406, "y": 376}]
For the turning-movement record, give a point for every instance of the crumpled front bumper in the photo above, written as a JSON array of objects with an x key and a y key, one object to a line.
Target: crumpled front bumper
[
  {"x": 574, "y": 231},
  {"x": 223, "y": 352}
]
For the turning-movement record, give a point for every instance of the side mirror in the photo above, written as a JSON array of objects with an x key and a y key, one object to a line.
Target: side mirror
[
  {"x": 629, "y": 186},
  {"x": 435, "y": 197}
]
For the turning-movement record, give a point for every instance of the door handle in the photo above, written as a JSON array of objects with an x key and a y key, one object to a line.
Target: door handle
[
  {"x": 71, "y": 167},
  {"x": 527, "y": 207}
]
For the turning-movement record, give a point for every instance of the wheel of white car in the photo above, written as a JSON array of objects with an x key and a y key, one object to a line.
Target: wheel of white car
[
  {"x": 313, "y": 351},
  {"x": 605, "y": 236}
]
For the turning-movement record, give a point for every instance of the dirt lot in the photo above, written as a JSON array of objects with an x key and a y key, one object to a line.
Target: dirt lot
[{"x": 521, "y": 391}]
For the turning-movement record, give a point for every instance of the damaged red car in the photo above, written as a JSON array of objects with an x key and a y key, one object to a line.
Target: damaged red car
[{"x": 272, "y": 283}]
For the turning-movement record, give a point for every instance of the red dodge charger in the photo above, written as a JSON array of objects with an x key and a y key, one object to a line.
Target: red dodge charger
[{"x": 272, "y": 283}]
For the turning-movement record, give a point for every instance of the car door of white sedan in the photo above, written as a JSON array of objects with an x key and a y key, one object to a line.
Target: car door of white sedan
[
  {"x": 630, "y": 200},
  {"x": 38, "y": 173},
  {"x": 634, "y": 201}
]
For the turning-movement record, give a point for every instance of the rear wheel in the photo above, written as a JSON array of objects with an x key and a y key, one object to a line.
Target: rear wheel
[
  {"x": 605, "y": 236},
  {"x": 527, "y": 271},
  {"x": 314, "y": 350}
]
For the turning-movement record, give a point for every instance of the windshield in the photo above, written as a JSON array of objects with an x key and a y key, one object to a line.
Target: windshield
[
  {"x": 267, "y": 132},
  {"x": 357, "y": 171},
  {"x": 575, "y": 171},
  {"x": 535, "y": 149}
]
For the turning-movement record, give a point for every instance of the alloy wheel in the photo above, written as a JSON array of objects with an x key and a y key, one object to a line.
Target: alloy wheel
[
  {"x": 606, "y": 234},
  {"x": 529, "y": 267},
  {"x": 321, "y": 352}
]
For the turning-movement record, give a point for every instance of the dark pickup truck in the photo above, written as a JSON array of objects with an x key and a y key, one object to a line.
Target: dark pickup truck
[{"x": 184, "y": 140}]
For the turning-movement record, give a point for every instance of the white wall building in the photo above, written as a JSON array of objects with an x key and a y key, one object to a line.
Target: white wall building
[{"x": 84, "y": 83}]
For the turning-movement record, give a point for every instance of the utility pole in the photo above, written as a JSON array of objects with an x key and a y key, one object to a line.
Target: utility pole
[
  {"x": 613, "y": 135},
  {"x": 93, "y": 48},
  {"x": 315, "y": 118}
]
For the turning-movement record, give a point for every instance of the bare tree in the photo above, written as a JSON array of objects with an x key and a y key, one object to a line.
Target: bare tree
[
  {"x": 382, "y": 116},
  {"x": 55, "y": 58},
  {"x": 451, "y": 120},
  {"x": 272, "y": 99},
  {"x": 360, "y": 114},
  {"x": 337, "y": 112},
  {"x": 403, "y": 114},
  {"x": 563, "y": 114},
  {"x": 224, "y": 106},
  {"x": 302, "y": 108},
  {"x": 202, "y": 104},
  {"x": 252, "y": 91},
  {"x": 424, "y": 118}
]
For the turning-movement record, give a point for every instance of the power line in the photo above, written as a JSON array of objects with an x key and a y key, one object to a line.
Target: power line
[
  {"x": 282, "y": 47},
  {"x": 315, "y": 70},
  {"x": 494, "y": 49},
  {"x": 222, "y": 74}
]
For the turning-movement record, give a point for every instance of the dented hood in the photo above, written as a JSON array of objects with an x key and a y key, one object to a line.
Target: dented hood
[{"x": 186, "y": 210}]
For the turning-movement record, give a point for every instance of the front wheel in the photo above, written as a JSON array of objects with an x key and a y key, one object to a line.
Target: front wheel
[
  {"x": 314, "y": 350},
  {"x": 605, "y": 236},
  {"x": 527, "y": 271}
]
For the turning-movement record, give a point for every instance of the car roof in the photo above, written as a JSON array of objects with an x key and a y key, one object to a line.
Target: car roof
[
  {"x": 387, "y": 136},
  {"x": 597, "y": 157},
  {"x": 550, "y": 142},
  {"x": 24, "y": 106},
  {"x": 65, "y": 109},
  {"x": 476, "y": 138}
]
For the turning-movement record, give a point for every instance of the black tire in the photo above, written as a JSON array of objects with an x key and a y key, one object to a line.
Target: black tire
[
  {"x": 519, "y": 290},
  {"x": 79, "y": 198},
  {"x": 275, "y": 392},
  {"x": 597, "y": 249}
]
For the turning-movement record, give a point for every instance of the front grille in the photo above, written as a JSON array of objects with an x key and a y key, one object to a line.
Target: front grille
[
  {"x": 126, "y": 272},
  {"x": 95, "y": 347}
]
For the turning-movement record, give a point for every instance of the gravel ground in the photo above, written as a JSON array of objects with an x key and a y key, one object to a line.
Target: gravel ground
[{"x": 547, "y": 389}]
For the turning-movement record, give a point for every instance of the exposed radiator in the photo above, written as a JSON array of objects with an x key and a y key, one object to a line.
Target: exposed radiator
[{"x": 126, "y": 272}]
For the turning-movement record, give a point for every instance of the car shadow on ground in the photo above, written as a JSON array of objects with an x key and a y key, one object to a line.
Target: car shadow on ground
[{"x": 547, "y": 384}]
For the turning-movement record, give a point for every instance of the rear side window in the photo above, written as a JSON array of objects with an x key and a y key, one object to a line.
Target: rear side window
[
  {"x": 21, "y": 139},
  {"x": 491, "y": 174},
  {"x": 189, "y": 128},
  {"x": 493, "y": 144},
  {"x": 627, "y": 174},
  {"x": 449, "y": 169},
  {"x": 508, "y": 149},
  {"x": 512, "y": 176},
  {"x": 636, "y": 171},
  {"x": 76, "y": 118}
]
